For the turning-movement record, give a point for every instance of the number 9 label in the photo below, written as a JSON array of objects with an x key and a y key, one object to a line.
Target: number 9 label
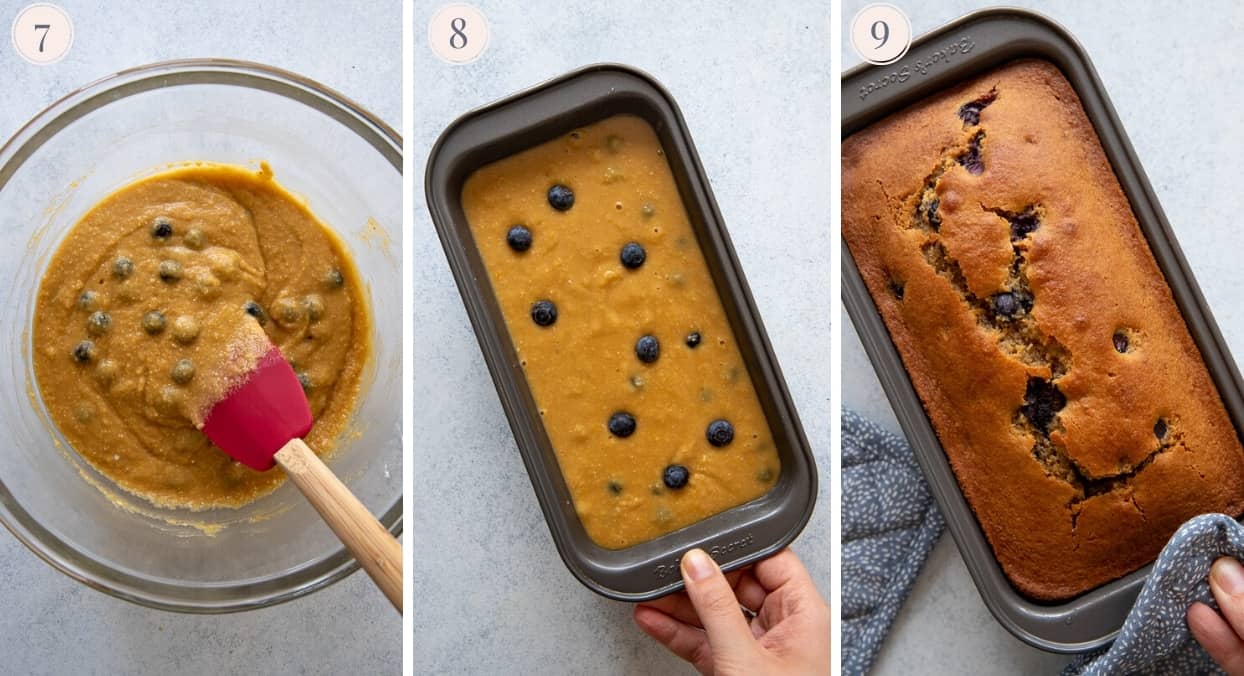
[
  {"x": 880, "y": 33},
  {"x": 42, "y": 33},
  {"x": 458, "y": 33}
]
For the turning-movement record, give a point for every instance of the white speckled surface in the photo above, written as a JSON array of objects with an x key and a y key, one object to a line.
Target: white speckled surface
[
  {"x": 1164, "y": 68},
  {"x": 53, "y": 625},
  {"x": 491, "y": 594}
]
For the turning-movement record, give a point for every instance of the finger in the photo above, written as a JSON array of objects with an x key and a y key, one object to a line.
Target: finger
[
  {"x": 799, "y": 594},
  {"x": 684, "y": 612},
  {"x": 677, "y": 606},
  {"x": 715, "y": 603},
  {"x": 749, "y": 592},
  {"x": 1217, "y": 637},
  {"x": 686, "y": 642},
  {"x": 1226, "y": 580},
  {"x": 782, "y": 569}
]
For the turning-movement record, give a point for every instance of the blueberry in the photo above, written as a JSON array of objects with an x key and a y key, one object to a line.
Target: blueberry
[
  {"x": 256, "y": 310},
  {"x": 1042, "y": 401},
  {"x": 622, "y": 424},
  {"x": 1120, "y": 342},
  {"x": 170, "y": 271},
  {"x": 1011, "y": 303},
  {"x": 334, "y": 279},
  {"x": 97, "y": 324},
  {"x": 675, "y": 476},
  {"x": 106, "y": 372},
  {"x": 84, "y": 352},
  {"x": 693, "y": 339},
  {"x": 519, "y": 238},
  {"x": 544, "y": 313},
  {"x": 122, "y": 267},
  {"x": 153, "y": 322},
  {"x": 88, "y": 300},
  {"x": 288, "y": 311},
  {"x": 647, "y": 349},
  {"x": 314, "y": 305},
  {"x": 1006, "y": 304},
  {"x": 720, "y": 433},
  {"x": 305, "y": 380},
  {"x": 614, "y": 487},
  {"x": 185, "y": 329},
  {"x": 183, "y": 371},
  {"x": 1022, "y": 224},
  {"x": 561, "y": 197},
  {"x": 194, "y": 238},
  {"x": 633, "y": 255},
  {"x": 161, "y": 228},
  {"x": 970, "y": 112},
  {"x": 971, "y": 158},
  {"x": 1159, "y": 429},
  {"x": 931, "y": 214}
]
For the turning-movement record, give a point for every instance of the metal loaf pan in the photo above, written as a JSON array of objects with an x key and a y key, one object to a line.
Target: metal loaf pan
[
  {"x": 942, "y": 58},
  {"x": 736, "y": 537}
]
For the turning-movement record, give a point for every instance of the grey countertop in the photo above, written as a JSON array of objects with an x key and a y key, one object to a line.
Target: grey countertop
[
  {"x": 490, "y": 593},
  {"x": 1178, "y": 98},
  {"x": 53, "y": 625}
]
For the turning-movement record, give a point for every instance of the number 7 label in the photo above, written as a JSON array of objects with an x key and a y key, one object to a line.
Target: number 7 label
[
  {"x": 45, "y": 28},
  {"x": 42, "y": 33}
]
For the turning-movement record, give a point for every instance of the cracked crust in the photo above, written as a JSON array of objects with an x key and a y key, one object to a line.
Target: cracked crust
[{"x": 1001, "y": 251}]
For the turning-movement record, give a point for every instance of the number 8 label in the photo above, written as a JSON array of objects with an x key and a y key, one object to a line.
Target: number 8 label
[
  {"x": 880, "y": 34},
  {"x": 458, "y": 24},
  {"x": 458, "y": 33},
  {"x": 42, "y": 33}
]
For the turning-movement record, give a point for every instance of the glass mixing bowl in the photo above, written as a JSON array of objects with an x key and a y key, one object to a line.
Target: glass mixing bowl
[{"x": 322, "y": 147}]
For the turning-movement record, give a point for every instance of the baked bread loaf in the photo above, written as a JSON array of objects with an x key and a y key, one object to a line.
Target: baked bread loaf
[{"x": 1043, "y": 340}]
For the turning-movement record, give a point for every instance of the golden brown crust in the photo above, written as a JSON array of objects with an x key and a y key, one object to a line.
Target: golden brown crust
[{"x": 1078, "y": 459}]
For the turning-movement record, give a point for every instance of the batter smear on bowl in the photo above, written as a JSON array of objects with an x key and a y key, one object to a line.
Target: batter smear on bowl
[
  {"x": 141, "y": 299},
  {"x": 620, "y": 331}
]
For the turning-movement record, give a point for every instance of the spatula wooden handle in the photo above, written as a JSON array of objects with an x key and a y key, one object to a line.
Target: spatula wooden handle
[{"x": 376, "y": 549}]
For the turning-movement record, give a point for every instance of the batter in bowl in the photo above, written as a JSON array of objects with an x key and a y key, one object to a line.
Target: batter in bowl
[
  {"x": 621, "y": 333},
  {"x": 144, "y": 293}
]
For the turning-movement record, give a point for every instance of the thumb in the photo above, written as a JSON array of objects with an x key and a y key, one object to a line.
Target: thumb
[{"x": 715, "y": 604}]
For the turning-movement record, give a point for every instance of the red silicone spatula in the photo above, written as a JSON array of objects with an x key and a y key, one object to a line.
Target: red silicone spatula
[{"x": 260, "y": 420}]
